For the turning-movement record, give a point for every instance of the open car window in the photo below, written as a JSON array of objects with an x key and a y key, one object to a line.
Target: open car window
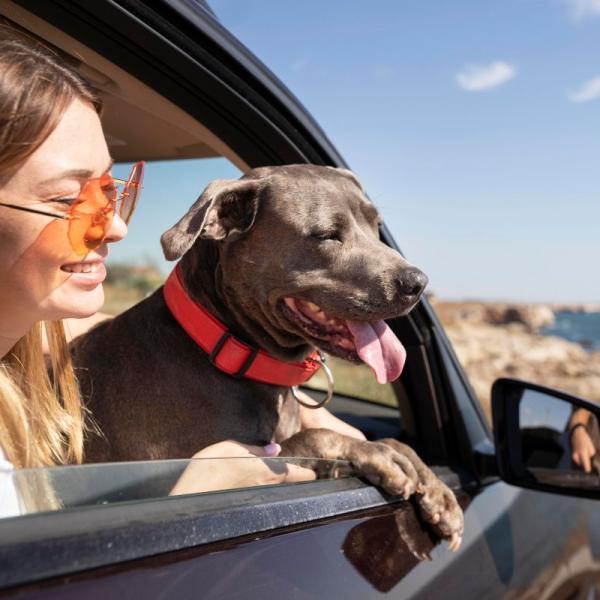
[{"x": 184, "y": 154}]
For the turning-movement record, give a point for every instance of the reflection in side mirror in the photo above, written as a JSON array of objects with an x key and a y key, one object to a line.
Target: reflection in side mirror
[{"x": 546, "y": 439}]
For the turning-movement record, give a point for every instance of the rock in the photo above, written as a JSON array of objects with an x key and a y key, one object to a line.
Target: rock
[
  {"x": 533, "y": 316},
  {"x": 500, "y": 340}
]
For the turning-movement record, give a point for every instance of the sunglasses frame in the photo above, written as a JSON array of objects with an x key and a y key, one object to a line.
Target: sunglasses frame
[
  {"x": 73, "y": 215},
  {"x": 66, "y": 216},
  {"x": 34, "y": 210}
]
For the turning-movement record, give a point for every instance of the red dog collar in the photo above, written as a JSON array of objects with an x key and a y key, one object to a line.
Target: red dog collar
[{"x": 225, "y": 351}]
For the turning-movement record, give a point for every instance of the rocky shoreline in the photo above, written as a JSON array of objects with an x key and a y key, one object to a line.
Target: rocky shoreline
[
  {"x": 576, "y": 308},
  {"x": 499, "y": 339}
]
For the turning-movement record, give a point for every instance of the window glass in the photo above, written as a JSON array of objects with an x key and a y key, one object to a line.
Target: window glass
[{"x": 27, "y": 491}]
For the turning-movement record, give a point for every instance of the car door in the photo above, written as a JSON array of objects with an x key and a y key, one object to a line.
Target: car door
[{"x": 333, "y": 538}]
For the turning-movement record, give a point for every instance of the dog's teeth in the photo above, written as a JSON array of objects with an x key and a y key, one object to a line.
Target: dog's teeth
[
  {"x": 345, "y": 343},
  {"x": 312, "y": 307}
]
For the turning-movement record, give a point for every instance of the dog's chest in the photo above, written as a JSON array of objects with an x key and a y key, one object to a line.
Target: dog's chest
[
  {"x": 275, "y": 419},
  {"x": 257, "y": 414},
  {"x": 289, "y": 417}
]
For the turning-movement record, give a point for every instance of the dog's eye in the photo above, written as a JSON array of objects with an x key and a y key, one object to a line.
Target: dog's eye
[{"x": 327, "y": 236}]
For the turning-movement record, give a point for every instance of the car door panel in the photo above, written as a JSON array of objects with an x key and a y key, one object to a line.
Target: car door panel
[{"x": 518, "y": 544}]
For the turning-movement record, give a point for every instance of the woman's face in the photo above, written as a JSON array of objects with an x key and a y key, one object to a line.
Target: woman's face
[{"x": 41, "y": 277}]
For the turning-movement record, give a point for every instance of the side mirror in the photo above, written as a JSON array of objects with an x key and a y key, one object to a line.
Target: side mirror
[{"x": 545, "y": 439}]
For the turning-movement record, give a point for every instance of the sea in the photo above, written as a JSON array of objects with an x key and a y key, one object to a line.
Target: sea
[{"x": 583, "y": 328}]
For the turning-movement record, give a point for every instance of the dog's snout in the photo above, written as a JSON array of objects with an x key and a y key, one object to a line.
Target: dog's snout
[{"x": 412, "y": 282}]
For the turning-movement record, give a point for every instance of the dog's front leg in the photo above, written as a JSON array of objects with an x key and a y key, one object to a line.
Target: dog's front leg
[
  {"x": 437, "y": 502},
  {"x": 379, "y": 463},
  {"x": 391, "y": 465}
]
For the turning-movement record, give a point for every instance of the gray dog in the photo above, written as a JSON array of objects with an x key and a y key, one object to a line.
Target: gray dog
[{"x": 288, "y": 259}]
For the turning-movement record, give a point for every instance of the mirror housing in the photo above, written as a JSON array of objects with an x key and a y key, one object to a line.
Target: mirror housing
[{"x": 534, "y": 427}]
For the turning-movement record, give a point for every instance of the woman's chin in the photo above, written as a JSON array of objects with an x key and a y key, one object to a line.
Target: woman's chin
[{"x": 79, "y": 304}]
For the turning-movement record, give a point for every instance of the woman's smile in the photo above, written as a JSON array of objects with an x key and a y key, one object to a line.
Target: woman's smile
[{"x": 86, "y": 272}]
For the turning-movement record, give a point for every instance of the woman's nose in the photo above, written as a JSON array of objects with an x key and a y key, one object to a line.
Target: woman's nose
[{"x": 117, "y": 230}]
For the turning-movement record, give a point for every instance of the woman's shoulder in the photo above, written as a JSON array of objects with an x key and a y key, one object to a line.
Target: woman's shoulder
[
  {"x": 9, "y": 497},
  {"x": 5, "y": 465}
]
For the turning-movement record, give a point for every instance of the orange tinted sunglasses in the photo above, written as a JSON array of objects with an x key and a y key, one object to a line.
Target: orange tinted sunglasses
[{"x": 91, "y": 215}]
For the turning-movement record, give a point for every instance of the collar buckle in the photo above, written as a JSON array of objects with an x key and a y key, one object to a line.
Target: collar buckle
[
  {"x": 229, "y": 351},
  {"x": 252, "y": 352}
]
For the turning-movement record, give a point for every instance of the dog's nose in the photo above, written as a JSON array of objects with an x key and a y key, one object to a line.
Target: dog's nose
[{"x": 412, "y": 282}]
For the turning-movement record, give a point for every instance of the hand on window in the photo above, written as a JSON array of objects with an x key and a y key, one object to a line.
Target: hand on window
[{"x": 230, "y": 464}]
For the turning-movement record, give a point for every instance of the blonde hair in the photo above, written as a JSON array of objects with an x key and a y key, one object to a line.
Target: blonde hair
[
  {"x": 36, "y": 87},
  {"x": 41, "y": 416},
  {"x": 36, "y": 428}
]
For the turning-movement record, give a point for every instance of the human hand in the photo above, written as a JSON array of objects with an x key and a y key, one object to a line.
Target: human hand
[
  {"x": 230, "y": 464},
  {"x": 583, "y": 449}
]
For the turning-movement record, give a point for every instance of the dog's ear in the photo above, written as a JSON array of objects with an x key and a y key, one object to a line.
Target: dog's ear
[
  {"x": 349, "y": 175},
  {"x": 226, "y": 206}
]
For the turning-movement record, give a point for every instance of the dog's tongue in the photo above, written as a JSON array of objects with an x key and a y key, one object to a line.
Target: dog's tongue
[{"x": 377, "y": 345}]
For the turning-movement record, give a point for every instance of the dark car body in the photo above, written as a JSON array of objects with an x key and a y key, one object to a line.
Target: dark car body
[{"x": 327, "y": 539}]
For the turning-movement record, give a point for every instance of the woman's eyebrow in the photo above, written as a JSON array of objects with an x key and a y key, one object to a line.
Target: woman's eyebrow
[{"x": 74, "y": 174}]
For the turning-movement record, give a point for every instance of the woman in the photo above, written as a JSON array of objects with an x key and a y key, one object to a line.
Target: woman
[
  {"x": 51, "y": 142},
  {"x": 59, "y": 211}
]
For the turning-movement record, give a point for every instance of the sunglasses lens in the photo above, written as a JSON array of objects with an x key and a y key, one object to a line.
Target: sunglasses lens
[
  {"x": 92, "y": 214},
  {"x": 131, "y": 192}
]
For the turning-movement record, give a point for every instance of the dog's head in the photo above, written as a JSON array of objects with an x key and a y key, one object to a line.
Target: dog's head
[{"x": 301, "y": 263}]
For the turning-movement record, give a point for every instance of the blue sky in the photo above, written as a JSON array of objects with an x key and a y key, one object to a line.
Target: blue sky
[{"x": 473, "y": 125}]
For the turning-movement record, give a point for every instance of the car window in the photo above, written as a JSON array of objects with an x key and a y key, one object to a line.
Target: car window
[{"x": 183, "y": 155}]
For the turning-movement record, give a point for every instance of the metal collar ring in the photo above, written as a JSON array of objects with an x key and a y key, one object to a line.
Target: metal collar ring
[{"x": 328, "y": 374}]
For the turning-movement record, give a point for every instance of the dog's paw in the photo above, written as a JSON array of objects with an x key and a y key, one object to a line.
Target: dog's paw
[
  {"x": 386, "y": 468},
  {"x": 437, "y": 502},
  {"x": 440, "y": 509}
]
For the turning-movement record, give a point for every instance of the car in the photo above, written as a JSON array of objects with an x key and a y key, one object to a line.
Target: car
[{"x": 178, "y": 86}]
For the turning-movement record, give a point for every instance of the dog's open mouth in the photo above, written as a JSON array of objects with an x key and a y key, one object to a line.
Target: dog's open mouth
[{"x": 373, "y": 342}]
